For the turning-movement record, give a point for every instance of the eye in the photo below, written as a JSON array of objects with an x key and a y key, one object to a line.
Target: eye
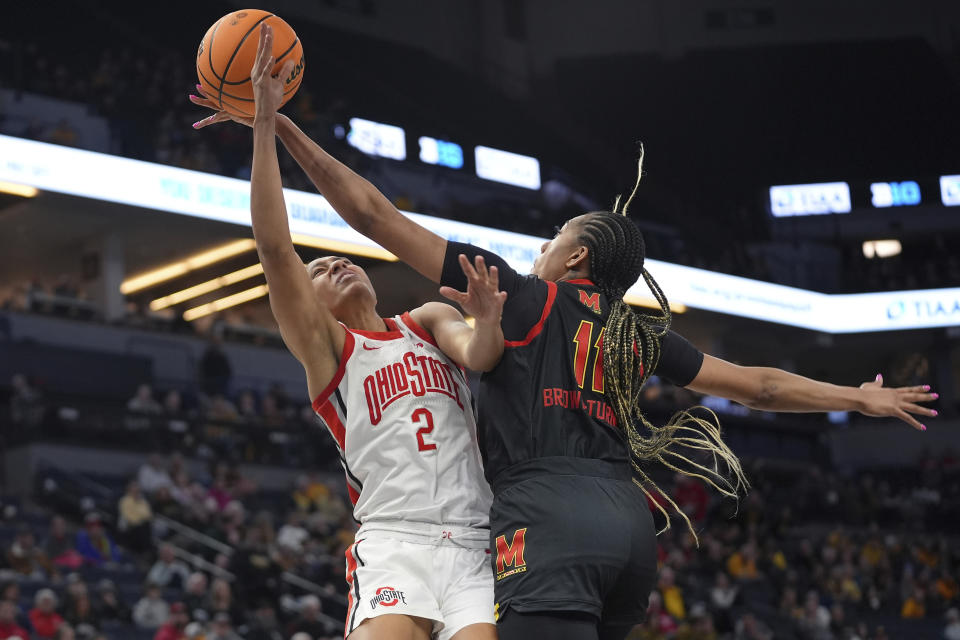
[{"x": 557, "y": 231}]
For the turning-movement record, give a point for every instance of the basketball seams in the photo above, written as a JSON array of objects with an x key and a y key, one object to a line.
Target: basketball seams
[
  {"x": 237, "y": 50},
  {"x": 276, "y": 62},
  {"x": 213, "y": 34},
  {"x": 224, "y": 91}
]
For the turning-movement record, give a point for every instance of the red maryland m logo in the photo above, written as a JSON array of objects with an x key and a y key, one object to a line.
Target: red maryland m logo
[
  {"x": 512, "y": 554},
  {"x": 592, "y": 300}
]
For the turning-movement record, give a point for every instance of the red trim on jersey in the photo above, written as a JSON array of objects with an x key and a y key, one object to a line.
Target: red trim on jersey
[
  {"x": 334, "y": 424},
  {"x": 537, "y": 328},
  {"x": 585, "y": 281},
  {"x": 351, "y": 569},
  {"x": 354, "y": 496},
  {"x": 417, "y": 329},
  {"x": 323, "y": 396},
  {"x": 392, "y": 332}
]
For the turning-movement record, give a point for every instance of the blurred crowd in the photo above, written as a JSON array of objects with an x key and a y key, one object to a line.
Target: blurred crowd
[{"x": 806, "y": 555}]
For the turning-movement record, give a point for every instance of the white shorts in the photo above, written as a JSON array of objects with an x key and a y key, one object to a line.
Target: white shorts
[{"x": 441, "y": 573}]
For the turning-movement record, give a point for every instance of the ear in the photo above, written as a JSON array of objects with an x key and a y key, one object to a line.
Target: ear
[{"x": 578, "y": 259}]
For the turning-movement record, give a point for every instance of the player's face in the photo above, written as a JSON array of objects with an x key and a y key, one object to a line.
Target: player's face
[
  {"x": 339, "y": 283},
  {"x": 559, "y": 255}
]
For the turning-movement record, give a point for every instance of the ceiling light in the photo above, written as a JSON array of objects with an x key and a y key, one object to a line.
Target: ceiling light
[
  {"x": 15, "y": 189},
  {"x": 225, "y": 303},
  {"x": 881, "y": 248},
  {"x": 206, "y": 287},
  {"x": 176, "y": 269},
  {"x": 650, "y": 303},
  {"x": 341, "y": 246}
]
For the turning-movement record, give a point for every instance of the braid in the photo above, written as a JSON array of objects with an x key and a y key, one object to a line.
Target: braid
[{"x": 631, "y": 352}]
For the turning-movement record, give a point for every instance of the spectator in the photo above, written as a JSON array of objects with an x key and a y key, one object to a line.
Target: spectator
[
  {"x": 264, "y": 624},
  {"x": 153, "y": 475},
  {"x": 26, "y": 559},
  {"x": 59, "y": 545},
  {"x": 167, "y": 571},
  {"x": 109, "y": 606},
  {"x": 691, "y": 496},
  {"x": 174, "y": 628},
  {"x": 8, "y": 622},
  {"x": 81, "y": 615},
  {"x": 309, "y": 619},
  {"x": 43, "y": 617},
  {"x": 143, "y": 401},
  {"x": 94, "y": 544},
  {"x": 195, "y": 631},
  {"x": 173, "y": 403},
  {"x": 221, "y": 601},
  {"x": 10, "y": 592},
  {"x": 914, "y": 606},
  {"x": 25, "y": 402},
  {"x": 950, "y": 632},
  {"x": 220, "y": 409},
  {"x": 672, "y": 596},
  {"x": 742, "y": 565},
  {"x": 247, "y": 407},
  {"x": 658, "y": 622},
  {"x": 215, "y": 370},
  {"x": 65, "y": 632},
  {"x": 151, "y": 611},
  {"x": 222, "y": 628},
  {"x": 195, "y": 594},
  {"x": 136, "y": 518},
  {"x": 292, "y": 534},
  {"x": 815, "y": 622},
  {"x": 750, "y": 628}
]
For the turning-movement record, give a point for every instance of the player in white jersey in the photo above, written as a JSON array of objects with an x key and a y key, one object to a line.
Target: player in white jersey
[{"x": 399, "y": 408}]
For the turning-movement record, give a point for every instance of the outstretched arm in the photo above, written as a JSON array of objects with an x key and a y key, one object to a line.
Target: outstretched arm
[
  {"x": 770, "y": 389},
  {"x": 362, "y": 205},
  {"x": 357, "y": 201},
  {"x": 310, "y": 331}
]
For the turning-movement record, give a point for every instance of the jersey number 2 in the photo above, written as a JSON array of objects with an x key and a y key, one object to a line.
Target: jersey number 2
[
  {"x": 582, "y": 356},
  {"x": 422, "y": 431}
]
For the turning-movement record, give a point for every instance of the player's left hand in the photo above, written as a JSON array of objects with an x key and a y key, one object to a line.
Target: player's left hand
[
  {"x": 203, "y": 100},
  {"x": 483, "y": 299},
  {"x": 897, "y": 402}
]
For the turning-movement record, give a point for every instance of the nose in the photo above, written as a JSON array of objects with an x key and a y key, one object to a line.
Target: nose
[
  {"x": 544, "y": 246},
  {"x": 337, "y": 266}
]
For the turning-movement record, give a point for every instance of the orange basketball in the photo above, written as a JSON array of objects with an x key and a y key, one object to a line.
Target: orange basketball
[{"x": 228, "y": 50}]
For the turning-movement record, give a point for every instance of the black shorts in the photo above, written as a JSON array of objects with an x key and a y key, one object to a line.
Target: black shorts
[{"x": 572, "y": 534}]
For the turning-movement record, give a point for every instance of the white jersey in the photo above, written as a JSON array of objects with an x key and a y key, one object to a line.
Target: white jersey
[{"x": 400, "y": 413}]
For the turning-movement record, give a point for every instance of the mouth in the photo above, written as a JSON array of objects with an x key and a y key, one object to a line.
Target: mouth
[{"x": 344, "y": 276}]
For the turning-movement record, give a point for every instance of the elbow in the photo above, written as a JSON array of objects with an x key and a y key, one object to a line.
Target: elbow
[{"x": 763, "y": 394}]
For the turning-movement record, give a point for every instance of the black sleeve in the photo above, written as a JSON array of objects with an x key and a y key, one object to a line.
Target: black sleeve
[
  {"x": 526, "y": 295},
  {"x": 680, "y": 361}
]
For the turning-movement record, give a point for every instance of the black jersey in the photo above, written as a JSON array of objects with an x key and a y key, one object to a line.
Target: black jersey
[{"x": 545, "y": 398}]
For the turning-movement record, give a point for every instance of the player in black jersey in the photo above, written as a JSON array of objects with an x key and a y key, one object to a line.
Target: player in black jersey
[{"x": 572, "y": 539}]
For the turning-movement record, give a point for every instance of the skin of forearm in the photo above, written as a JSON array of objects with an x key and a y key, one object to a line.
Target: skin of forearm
[
  {"x": 267, "y": 211},
  {"x": 485, "y": 347},
  {"x": 351, "y": 195},
  {"x": 779, "y": 390}
]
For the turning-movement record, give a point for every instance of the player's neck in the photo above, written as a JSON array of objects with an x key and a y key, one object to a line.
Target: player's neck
[
  {"x": 574, "y": 274},
  {"x": 365, "y": 319}
]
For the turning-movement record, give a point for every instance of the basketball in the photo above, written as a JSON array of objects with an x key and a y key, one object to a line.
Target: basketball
[{"x": 228, "y": 50}]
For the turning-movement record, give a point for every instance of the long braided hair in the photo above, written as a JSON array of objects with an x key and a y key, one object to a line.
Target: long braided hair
[{"x": 631, "y": 351}]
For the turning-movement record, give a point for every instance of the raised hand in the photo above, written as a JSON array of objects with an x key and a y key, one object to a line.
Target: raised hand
[
  {"x": 483, "y": 299},
  {"x": 267, "y": 87},
  {"x": 897, "y": 402}
]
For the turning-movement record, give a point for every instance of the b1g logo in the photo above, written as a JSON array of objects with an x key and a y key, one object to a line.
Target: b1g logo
[
  {"x": 511, "y": 555},
  {"x": 388, "y": 597}
]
